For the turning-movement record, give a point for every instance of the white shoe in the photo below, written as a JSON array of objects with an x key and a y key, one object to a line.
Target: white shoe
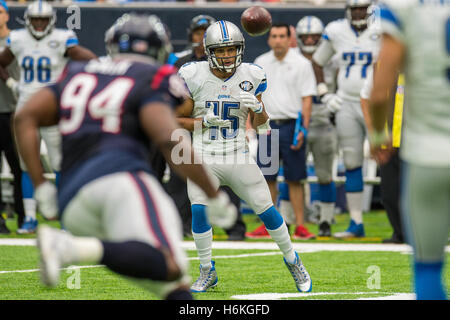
[
  {"x": 301, "y": 276},
  {"x": 56, "y": 250}
]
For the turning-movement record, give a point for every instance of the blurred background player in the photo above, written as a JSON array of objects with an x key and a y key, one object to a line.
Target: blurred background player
[
  {"x": 42, "y": 51},
  {"x": 7, "y": 142},
  {"x": 322, "y": 138},
  {"x": 292, "y": 85},
  {"x": 224, "y": 91},
  {"x": 389, "y": 171},
  {"x": 175, "y": 186},
  {"x": 416, "y": 37},
  {"x": 356, "y": 45},
  {"x": 108, "y": 111}
]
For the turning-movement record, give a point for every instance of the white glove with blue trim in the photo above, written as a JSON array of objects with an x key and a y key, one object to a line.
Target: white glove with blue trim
[{"x": 251, "y": 102}]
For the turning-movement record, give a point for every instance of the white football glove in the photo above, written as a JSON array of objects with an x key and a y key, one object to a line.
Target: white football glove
[
  {"x": 251, "y": 102},
  {"x": 332, "y": 101},
  {"x": 211, "y": 120},
  {"x": 221, "y": 212},
  {"x": 45, "y": 195},
  {"x": 13, "y": 85}
]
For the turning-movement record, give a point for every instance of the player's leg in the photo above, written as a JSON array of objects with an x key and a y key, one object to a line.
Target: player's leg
[
  {"x": 323, "y": 148},
  {"x": 248, "y": 182},
  {"x": 202, "y": 234},
  {"x": 117, "y": 221},
  {"x": 294, "y": 166},
  {"x": 425, "y": 209},
  {"x": 351, "y": 135}
]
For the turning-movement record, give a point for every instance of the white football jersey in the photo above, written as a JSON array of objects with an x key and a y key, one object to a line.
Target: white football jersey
[
  {"x": 41, "y": 61},
  {"x": 223, "y": 97},
  {"x": 357, "y": 53},
  {"x": 423, "y": 26}
]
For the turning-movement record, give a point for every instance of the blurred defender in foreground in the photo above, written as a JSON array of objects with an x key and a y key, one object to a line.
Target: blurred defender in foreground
[
  {"x": 108, "y": 110},
  {"x": 416, "y": 36}
]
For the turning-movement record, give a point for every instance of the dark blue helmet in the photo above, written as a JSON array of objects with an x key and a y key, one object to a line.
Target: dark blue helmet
[
  {"x": 139, "y": 34},
  {"x": 200, "y": 21}
]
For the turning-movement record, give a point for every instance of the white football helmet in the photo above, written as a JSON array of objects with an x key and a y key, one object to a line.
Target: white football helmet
[
  {"x": 223, "y": 34},
  {"x": 355, "y": 4},
  {"x": 40, "y": 9},
  {"x": 308, "y": 25}
]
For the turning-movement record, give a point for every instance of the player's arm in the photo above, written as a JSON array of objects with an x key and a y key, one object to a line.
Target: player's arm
[
  {"x": 6, "y": 57},
  {"x": 39, "y": 111},
  {"x": 159, "y": 122},
  {"x": 260, "y": 121},
  {"x": 391, "y": 59},
  {"x": 183, "y": 114},
  {"x": 322, "y": 55},
  {"x": 78, "y": 53}
]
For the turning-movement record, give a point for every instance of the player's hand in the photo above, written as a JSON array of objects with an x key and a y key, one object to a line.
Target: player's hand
[
  {"x": 13, "y": 85},
  {"x": 251, "y": 102},
  {"x": 45, "y": 195},
  {"x": 380, "y": 147},
  {"x": 332, "y": 101},
  {"x": 212, "y": 120},
  {"x": 221, "y": 212}
]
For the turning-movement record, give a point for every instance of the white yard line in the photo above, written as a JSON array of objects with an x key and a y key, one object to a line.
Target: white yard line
[
  {"x": 279, "y": 296},
  {"x": 270, "y": 245}
]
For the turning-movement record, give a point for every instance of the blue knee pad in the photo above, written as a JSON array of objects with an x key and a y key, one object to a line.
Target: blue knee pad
[
  {"x": 271, "y": 218},
  {"x": 354, "y": 180},
  {"x": 200, "y": 222},
  {"x": 327, "y": 192},
  {"x": 27, "y": 186}
]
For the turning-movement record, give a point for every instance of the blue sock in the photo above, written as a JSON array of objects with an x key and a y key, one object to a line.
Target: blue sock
[
  {"x": 428, "y": 281},
  {"x": 200, "y": 222},
  {"x": 271, "y": 218},
  {"x": 27, "y": 186},
  {"x": 354, "y": 180}
]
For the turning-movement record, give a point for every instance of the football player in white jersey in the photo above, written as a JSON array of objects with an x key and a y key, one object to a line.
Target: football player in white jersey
[
  {"x": 42, "y": 52},
  {"x": 322, "y": 137},
  {"x": 224, "y": 91},
  {"x": 416, "y": 36},
  {"x": 356, "y": 44}
]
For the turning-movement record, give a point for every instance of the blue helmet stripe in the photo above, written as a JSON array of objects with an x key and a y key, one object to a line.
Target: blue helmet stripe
[
  {"x": 224, "y": 30},
  {"x": 309, "y": 24}
]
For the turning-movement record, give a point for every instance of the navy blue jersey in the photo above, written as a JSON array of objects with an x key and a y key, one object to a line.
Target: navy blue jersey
[{"x": 99, "y": 105}]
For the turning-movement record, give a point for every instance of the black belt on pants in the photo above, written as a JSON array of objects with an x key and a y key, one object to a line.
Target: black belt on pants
[{"x": 280, "y": 122}]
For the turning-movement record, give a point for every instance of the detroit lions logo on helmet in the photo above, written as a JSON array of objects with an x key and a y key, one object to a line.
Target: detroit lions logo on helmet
[{"x": 246, "y": 85}]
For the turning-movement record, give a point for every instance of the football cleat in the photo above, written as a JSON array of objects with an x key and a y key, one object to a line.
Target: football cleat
[
  {"x": 301, "y": 276},
  {"x": 28, "y": 227},
  {"x": 353, "y": 231},
  {"x": 207, "y": 279},
  {"x": 56, "y": 250},
  {"x": 258, "y": 233},
  {"x": 302, "y": 233},
  {"x": 324, "y": 229}
]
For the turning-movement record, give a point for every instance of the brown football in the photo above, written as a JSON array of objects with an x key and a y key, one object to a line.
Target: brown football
[{"x": 256, "y": 21}]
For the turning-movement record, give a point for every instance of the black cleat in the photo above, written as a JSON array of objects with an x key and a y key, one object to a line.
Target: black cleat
[{"x": 324, "y": 230}]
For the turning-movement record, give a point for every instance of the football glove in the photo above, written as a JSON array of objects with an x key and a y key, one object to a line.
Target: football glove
[
  {"x": 13, "y": 85},
  {"x": 212, "y": 120},
  {"x": 221, "y": 212},
  {"x": 332, "y": 101},
  {"x": 45, "y": 195},
  {"x": 251, "y": 102}
]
